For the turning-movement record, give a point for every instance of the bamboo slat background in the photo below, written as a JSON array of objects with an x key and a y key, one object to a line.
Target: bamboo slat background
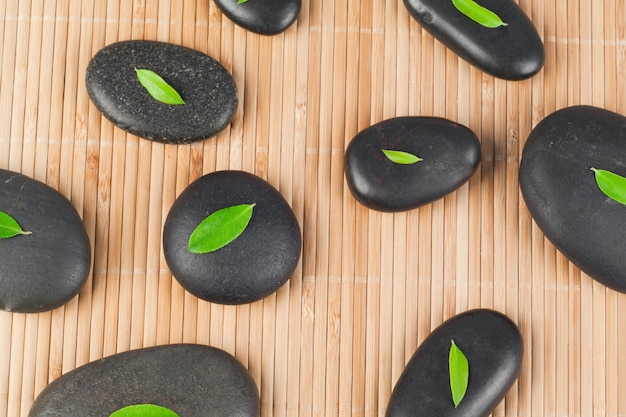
[{"x": 370, "y": 286}]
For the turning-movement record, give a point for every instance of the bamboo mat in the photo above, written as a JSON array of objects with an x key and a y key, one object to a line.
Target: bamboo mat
[{"x": 370, "y": 286}]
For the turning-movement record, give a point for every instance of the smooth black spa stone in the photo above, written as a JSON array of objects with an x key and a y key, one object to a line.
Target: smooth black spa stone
[
  {"x": 494, "y": 349},
  {"x": 562, "y": 195},
  {"x": 261, "y": 16},
  {"x": 512, "y": 52},
  {"x": 47, "y": 268},
  {"x": 252, "y": 266},
  {"x": 208, "y": 90},
  {"x": 450, "y": 154},
  {"x": 191, "y": 380}
]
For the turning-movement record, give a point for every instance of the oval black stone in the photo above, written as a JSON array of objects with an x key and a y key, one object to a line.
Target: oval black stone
[
  {"x": 191, "y": 380},
  {"x": 46, "y": 269},
  {"x": 512, "y": 52},
  {"x": 562, "y": 195},
  {"x": 450, "y": 154},
  {"x": 261, "y": 16},
  {"x": 208, "y": 90},
  {"x": 494, "y": 349},
  {"x": 251, "y": 267}
]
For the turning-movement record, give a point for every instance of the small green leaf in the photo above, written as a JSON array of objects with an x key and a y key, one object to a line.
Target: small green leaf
[
  {"x": 459, "y": 373},
  {"x": 158, "y": 88},
  {"x": 611, "y": 184},
  {"x": 220, "y": 228},
  {"x": 9, "y": 226},
  {"x": 241, "y": 1},
  {"x": 478, "y": 13},
  {"x": 400, "y": 157},
  {"x": 144, "y": 410}
]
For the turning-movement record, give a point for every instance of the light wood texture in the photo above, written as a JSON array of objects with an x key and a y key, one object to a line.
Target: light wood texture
[{"x": 370, "y": 286}]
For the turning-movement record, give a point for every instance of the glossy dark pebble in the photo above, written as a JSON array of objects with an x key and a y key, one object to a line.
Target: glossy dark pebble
[
  {"x": 191, "y": 380},
  {"x": 494, "y": 349},
  {"x": 562, "y": 195},
  {"x": 511, "y": 52},
  {"x": 46, "y": 269},
  {"x": 251, "y": 267},
  {"x": 261, "y": 16},
  {"x": 450, "y": 153},
  {"x": 208, "y": 90}
]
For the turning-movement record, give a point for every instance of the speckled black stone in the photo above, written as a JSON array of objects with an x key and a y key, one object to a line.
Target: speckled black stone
[
  {"x": 450, "y": 153},
  {"x": 562, "y": 195},
  {"x": 46, "y": 269},
  {"x": 251, "y": 267},
  {"x": 512, "y": 52},
  {"x": 494, "y": 349},
  {"x": 191, "y": 380},
  {"x": 208, "y": 90},
  {"x": 261, "y": 16}
]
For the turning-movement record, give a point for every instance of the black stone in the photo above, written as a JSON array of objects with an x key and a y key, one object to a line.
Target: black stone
[
  {"x": 261, "y": 16},
  {"x": 208, "y": 90},
  {"x": 191, "y": 380},
  {"x": 494, "y": 349},
  {"x": 46, "y": 269},
  {"x": 562, "y": 195},
  {"x": 251, "y": 267},
  {"x": 450, "y": 153},
  {"x": 512, "y": 52}
]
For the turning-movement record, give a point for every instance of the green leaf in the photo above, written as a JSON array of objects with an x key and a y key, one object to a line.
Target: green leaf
[
  {"x": 478, "y": 13},
  {"x": 220, "y": 228},
  {"x": 157, "y": 87},
  {"x": 9, "y": 227},
  {"x": 400, "y": 157},
  {"x": 611, "y": 184},
  {"x": 459, "y": 373},
  {"x": 241, "y": 1},
  {"x": 144, "y": 410}
]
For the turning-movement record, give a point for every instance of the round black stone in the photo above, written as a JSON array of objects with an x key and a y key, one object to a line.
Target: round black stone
[
  {"x": 450, "y": 154},
  {"x": 208, "y": 90},
  {"x": 512, "y": 52},
  {"x": 561, "y": 193},
  {"x": 47, "y": 268},
  {"x": 261, "y": 16},
  {"x": 252, "y": 266},
  {"x": 494, "y": 349},
  {"x": 191, "y": 380}
]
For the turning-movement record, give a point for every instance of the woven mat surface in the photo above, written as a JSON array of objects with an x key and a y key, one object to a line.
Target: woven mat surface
[{"x": 370, "y": 286}]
